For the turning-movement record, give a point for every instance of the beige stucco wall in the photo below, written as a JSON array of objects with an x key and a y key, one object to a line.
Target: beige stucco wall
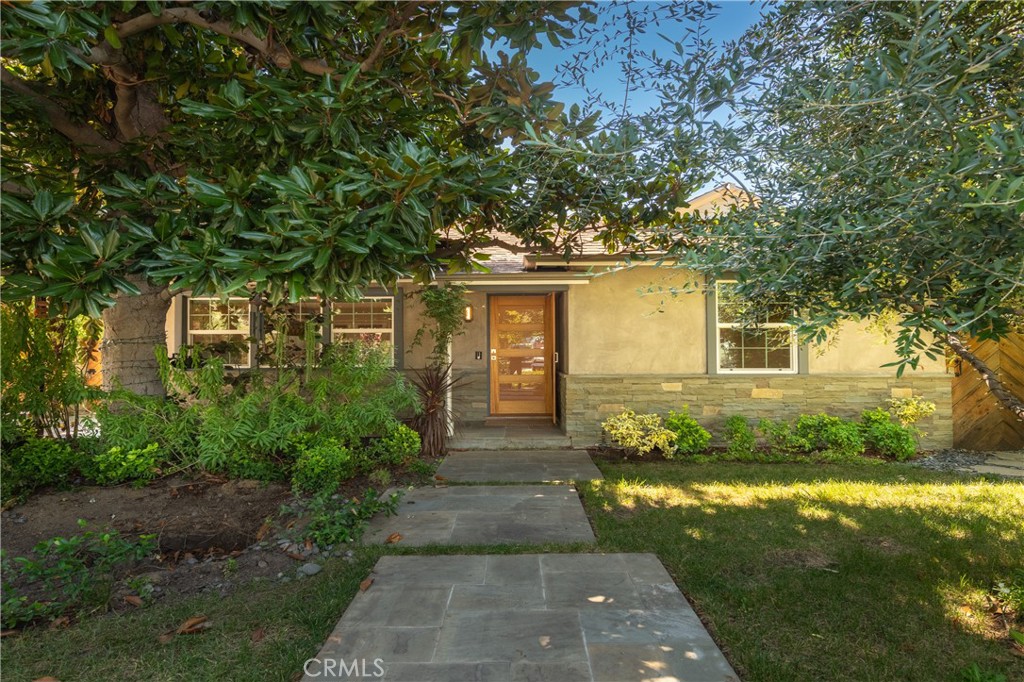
[
  {"x": 628, "y": 322},
  {"x": 857, "y": 349},
  {"x": 473, "y": 338},
  {"x": 615, "y": 329},
  {"x": 172, "y": 325}
]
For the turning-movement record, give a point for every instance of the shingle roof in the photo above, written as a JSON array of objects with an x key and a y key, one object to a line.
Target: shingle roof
[{"x": 503, "y": 261}]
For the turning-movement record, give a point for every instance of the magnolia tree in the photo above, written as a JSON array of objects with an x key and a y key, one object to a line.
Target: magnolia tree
[
  {"x": 880, "y": 150},
  {"x": 283, "y": 150}
]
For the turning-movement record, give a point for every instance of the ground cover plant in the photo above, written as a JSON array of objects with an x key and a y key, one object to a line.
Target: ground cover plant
[{"x": 68, "y": 575}]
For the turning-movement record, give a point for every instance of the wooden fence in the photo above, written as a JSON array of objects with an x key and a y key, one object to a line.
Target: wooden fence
[{"x": 980, "y": 422}]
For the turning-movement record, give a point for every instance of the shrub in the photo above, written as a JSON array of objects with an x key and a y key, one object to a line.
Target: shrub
[
  {"x": 875, "y": 417},
  {"x": 691, "y": 437},
  {"x": 433, "y": 383},
  {"x": 43, "y": 370},
  {"x": 832, "y": 434},
  {"x": 399, "y": 446},
  {"x": 780, "y": 437},
  {"x": 911, "y": 410},
  {"x": 320, "y": 468},
  {"x": 640, "y": 433},
  {"x": 42, "y": 461},
  {"x": 246, "y": 432},
  {"x": 256, "y": 426},
  {"x": 357, "y": 393},
  {"x": 886, "y": 437},
  {"x": 739, "y": 437},
  {"x": 117, "y": 465},
  {"x": 132, "y": 422}
]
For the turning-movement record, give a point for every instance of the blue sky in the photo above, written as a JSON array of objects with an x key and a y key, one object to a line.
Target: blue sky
[{"x": 732, "y": 19}]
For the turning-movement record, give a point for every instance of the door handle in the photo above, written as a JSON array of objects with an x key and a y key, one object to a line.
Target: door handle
[{"x": 556, "y": 357}]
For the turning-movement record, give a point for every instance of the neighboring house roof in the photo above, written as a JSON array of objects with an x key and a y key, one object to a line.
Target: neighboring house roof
[{"x": 503, "y": 261}]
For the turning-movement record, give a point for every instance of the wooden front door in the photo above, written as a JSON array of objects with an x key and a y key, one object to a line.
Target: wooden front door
[{"x": 522, "y": 355}]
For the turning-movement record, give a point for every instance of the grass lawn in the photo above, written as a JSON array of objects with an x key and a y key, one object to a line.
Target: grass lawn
[
  {"x": 801, "y": 572},
  {"x": 826, "y": 572}
]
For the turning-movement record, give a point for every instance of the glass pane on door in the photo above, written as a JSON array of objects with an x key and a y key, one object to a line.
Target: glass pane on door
[{"x": 519, "y": 363}]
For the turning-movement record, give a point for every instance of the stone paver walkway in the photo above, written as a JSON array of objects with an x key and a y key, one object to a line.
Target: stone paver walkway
[
  {"x": 1009, "y": 463},
  {"x": 520, "y": 466},
  {"x": 525, "y": 617},
  {"x": 485, "y": 515},
  {"x": 562, "y": 617}
]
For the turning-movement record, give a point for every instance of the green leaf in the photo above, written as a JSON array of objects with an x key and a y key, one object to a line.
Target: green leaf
[
  {"x": 347, "y": 81},
  {"x": 296, "y": 288},
  {"x": 42, "y": 203},
  {"x": 110, "y": 35}
]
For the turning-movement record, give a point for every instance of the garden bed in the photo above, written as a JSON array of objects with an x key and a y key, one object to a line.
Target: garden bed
[{"x": 212, "y": 535}]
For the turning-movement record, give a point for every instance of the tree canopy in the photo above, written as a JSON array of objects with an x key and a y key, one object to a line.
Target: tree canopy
[
  {"x": 881, "y": 147},
  {"x": 306, "y": 148}
]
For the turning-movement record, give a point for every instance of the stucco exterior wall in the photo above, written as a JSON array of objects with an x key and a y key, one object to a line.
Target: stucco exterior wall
[
  {"x": 857, "y": 349},
  {"x": 473, "y": 337},
  {"x": 470, "y": 395},
  {"x": 629, "y": 322},
  {"x": 173, "y": 325}
]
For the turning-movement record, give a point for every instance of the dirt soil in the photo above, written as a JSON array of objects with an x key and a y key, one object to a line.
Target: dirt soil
[{"x": 195, "y": 516}]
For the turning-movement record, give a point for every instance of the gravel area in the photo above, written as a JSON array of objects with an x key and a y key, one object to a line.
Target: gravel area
[
  {"x": 1005, "y": 462},
  {"x": 952, "y": 460}
]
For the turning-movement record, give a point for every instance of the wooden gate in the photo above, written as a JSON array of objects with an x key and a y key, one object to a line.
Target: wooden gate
[{"x": 980, "y": 422}]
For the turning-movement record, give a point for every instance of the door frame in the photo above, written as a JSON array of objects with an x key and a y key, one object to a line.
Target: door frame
[{"x": 550, "y": 353}]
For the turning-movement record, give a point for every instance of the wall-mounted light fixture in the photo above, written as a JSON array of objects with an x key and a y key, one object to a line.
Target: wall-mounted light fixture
[{"x": 467, "y": 314}]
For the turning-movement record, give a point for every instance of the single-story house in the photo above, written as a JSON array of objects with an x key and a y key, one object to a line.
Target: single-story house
[{"x": 577, "y": 341}]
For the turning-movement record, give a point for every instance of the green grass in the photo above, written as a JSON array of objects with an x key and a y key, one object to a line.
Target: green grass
[
  {"x": 826, "y": 572},
  {"x": 295, "y": 617},
  {"x": 802, "y": 572}
]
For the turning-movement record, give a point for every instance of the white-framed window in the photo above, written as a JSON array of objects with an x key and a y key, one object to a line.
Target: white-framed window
[
  {"x": 765, "y": 345},
  {"x": 220, "y": 328},
  {"x": 285, "y": 332},
  {"x": 370, "y": 320}
]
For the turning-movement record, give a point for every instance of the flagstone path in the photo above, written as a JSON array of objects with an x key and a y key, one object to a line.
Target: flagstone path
[
  {"x": 560, "y": 617},
  {"x": 485, "y": 515},
  {"x": 1007, "y": 463}
]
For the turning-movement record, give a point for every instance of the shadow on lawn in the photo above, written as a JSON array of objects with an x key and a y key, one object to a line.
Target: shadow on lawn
[{"x": 828, "y": 572}]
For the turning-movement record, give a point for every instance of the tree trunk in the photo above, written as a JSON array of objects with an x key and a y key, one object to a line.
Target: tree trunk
[
  {"x": 991, "y": 379},
  {"x": 132, "y": 329}
]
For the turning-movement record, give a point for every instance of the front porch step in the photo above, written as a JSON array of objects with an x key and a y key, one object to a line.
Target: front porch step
[
  {"x": 511, "y": 437},
  {"x": 518, "y": 466}
]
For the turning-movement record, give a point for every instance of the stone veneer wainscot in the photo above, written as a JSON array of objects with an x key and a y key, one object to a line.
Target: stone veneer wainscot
[{"x": 589, "y": 399}]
